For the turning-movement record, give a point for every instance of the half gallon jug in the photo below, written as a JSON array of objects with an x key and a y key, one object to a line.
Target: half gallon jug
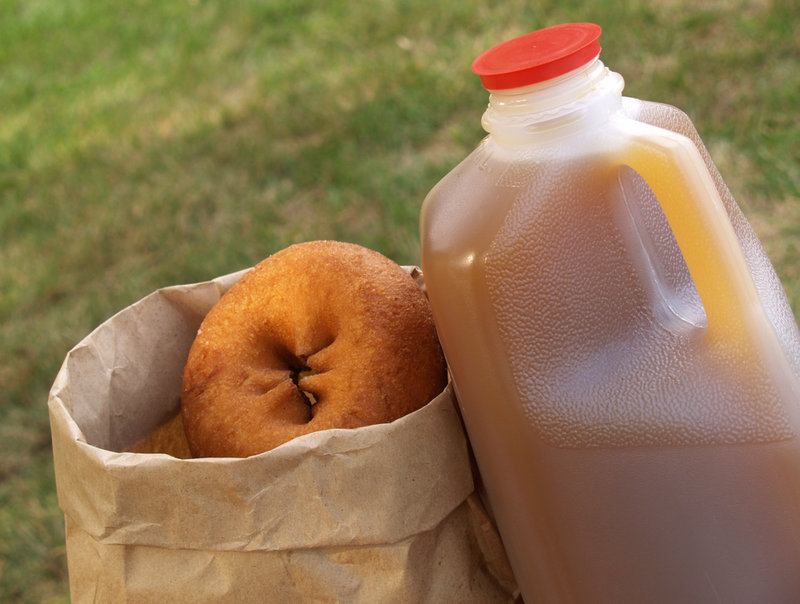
[{"x": 624, "y": 355}]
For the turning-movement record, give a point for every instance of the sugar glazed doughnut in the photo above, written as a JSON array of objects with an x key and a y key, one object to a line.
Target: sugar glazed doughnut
[{"x": 320, "y": 335}]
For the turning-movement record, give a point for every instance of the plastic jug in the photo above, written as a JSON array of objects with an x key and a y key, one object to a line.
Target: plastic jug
[{"x": 623, "y": 353}]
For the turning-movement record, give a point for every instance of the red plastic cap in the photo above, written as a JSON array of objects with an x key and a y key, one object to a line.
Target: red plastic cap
[{"x": 538, "y": 56}]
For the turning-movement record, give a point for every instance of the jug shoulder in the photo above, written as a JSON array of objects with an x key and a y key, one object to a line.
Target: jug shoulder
[
  {"x": 662, "y": 115},
  {"x": 466, "y": 207}
]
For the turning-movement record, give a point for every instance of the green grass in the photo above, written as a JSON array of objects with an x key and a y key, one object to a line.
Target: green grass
[{"x": 149, "y": 143}]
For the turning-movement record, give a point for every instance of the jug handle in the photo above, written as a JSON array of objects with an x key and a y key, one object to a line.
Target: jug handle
[{"x": 673, "y": 168}]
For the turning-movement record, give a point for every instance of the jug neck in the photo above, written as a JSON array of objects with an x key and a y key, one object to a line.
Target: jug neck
[{"x": 573, "y": 101}]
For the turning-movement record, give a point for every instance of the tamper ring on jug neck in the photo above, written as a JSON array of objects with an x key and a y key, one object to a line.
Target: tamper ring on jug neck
[{"x": 591, "y": 92}]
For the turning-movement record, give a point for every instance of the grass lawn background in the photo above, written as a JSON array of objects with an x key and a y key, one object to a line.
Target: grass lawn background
[{"x": 146, "y": 143}]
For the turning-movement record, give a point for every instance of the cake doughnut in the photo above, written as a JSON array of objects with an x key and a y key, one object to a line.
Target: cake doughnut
[
  {"x": 167, "y": 437},
  {"x": 320, "y": 335}
]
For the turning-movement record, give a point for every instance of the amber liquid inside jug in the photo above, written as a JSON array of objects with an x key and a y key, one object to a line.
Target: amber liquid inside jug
[{"x": 628, "y": 453}]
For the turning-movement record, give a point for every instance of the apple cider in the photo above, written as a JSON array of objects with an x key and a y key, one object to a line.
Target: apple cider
[{"x": 623, "y": 353}]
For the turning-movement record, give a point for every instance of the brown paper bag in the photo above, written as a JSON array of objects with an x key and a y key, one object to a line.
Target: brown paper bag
[{"x": 386, "y": 513}]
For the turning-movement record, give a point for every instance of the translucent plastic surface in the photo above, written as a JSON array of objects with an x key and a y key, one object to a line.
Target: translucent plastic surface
[{"x": 636, "y": 428}]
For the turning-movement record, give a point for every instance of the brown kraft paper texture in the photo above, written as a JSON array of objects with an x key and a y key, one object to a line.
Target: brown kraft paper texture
[{"x": 385, "y": 513}]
